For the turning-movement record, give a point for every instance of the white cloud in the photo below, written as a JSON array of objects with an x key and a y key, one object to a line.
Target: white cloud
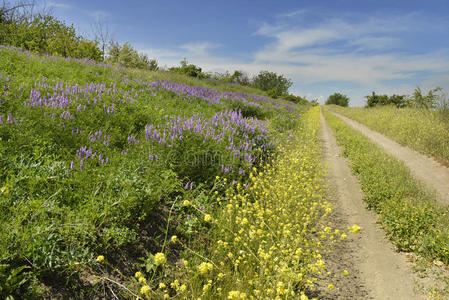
[
  {"x": 58, "y": 5},
  {"x": 339, "y": 55},
  {"x": 355, "y": 53},
  {"x": 293, "y": 14},
  {"x": 199, "y": 48}
]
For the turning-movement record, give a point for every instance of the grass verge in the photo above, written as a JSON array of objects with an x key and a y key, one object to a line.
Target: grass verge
[
  {"x": 409, "y": 214},
  {"x": 424, "y": 130}
]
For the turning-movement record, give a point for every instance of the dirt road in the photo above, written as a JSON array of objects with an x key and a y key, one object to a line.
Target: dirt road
[
  {"x": 427, "y": 170},
  {"x": 380, "y": 272}
]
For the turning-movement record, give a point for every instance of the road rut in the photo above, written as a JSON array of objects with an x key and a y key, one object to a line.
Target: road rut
[
  {"x": 382, "y": 272},
  {"x": 426, "y": 169}
]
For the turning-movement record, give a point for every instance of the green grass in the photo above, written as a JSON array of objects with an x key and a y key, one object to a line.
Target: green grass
[
  {"x": 409, "y": 214},
  {"x": 424, "y": 130},
  {"x": 56, "y": 220}
]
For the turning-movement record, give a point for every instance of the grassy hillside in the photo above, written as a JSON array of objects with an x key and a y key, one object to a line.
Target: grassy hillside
[
  {"x": 426, "y": 131},
  {"x": 96, "y": 160}
]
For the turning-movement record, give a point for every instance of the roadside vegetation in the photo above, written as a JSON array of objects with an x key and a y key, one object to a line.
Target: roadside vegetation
[
  {"x": 106, "y": 172},
  {"x": 408, "y": 213},
  {"x": 266, "y": 239},
  {"x": 427, "y": 131}
]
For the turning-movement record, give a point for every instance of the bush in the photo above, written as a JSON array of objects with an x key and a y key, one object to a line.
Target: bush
[
  {"x": 127, "y": 56},
  {"x": 46, "y": 34},
  {"x": 428, "y": 101},
  {"x": 396, "y": 100},
  {"x": 275, "y": 84},
  {"x": 238, "y": 77},
  {"x": 189, "y": 70},
  {"x": 338, "y": 99},
  {"x": 248, "y": 110},
  {"x": 296, "y": 99}
]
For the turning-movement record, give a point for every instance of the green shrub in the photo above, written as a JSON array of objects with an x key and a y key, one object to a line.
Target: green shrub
[
  {"x": 379, "y": 100},
  {"x": 338, "y": 99},
  {"x": 189, "y": 70},
  {"x": 275, "y": 84},
  {"x": 127, "y": 56},
  {"x": 248, "y": 110},
  {"x": 46, "y": 34},
  {"x": 296, "y": 99}
]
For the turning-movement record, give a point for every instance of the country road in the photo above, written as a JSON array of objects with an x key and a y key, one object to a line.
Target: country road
[
  {"x": 381, "y": 272},
  {"x": 426, "y": 169}
]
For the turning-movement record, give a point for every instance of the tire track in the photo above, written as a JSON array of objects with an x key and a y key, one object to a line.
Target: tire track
[
  {"x": 426, "y": 169},
  {"x": 382, "y": 271}
]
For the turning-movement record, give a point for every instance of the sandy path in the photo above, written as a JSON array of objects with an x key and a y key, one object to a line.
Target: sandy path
[
  {"x": 423, "y": 168},
  {"x": 383, "y": 272}
]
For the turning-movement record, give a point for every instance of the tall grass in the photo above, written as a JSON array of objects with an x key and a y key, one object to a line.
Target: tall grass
[
  {"x": 408, "y": 213},
  {"x": 427, "y": 131}
]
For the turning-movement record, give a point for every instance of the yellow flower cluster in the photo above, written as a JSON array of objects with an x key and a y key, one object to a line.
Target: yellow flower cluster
[
  {"x": 270, "y": 236},
  {"x": 160, "y": 258}
]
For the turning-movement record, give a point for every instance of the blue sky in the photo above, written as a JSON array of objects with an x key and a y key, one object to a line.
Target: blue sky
[{"x": 352, "y": 47}]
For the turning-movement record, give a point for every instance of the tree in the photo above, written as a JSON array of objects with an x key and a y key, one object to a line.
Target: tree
[
  {"x": 88, "y": 49},
  {"x": 375, "y": 100},
  {"x": 338, "y": 99},
  {"x": 396, "y": 100},
  {"x": 20, "y": 12},
  {"x": 275, "y": 84},
  {"x": 428, "y": 101},
  {"x": 46, "y": 34},
  {"x": 102, "y": 35},
  {"x": 127, "y": 56},
  {"x": 189, "y": 70}
]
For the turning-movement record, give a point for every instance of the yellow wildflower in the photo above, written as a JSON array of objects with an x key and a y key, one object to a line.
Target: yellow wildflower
[
  {"x": 207, "y": 218},
  {"x": 174, "y": 239},
  {"x": 142, "y": 280},
  {"x": 354, "y": 229},
  {"x": 234, "y": 295},
  {"x": 160, "y": 258},
  {"x": 100, "y": 259},
  {"x": 145, "y": 289}
]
